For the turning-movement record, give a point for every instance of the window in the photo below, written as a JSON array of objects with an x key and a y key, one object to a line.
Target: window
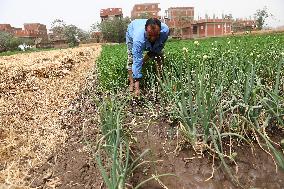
[
  {"x": 219, "y": 26},
  {"x": 153, "y": 6},
  {"x": 201, "y": 27},
  {"x": 138, "y": 8}
]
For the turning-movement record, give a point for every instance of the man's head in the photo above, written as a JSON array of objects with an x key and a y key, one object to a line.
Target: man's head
[{"x": 153, "y": 28}]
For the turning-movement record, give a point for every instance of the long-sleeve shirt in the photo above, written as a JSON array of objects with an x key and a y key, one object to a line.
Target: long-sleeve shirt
[{"x": 137, "y": 38}]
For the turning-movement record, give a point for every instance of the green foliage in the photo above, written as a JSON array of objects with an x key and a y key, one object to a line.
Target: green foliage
[
  {"x": 112, "y": 67},
  {"x": 10, "y": 43},
  {"x": 70, "y": 32},
  {"x": 113, "y": 30}
]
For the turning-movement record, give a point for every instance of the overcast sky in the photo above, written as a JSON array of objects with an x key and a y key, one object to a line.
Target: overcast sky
[{"x": 84, "y": 13}]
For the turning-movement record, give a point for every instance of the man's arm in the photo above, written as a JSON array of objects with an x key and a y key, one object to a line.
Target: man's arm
[{"x": 137, "y": 52}]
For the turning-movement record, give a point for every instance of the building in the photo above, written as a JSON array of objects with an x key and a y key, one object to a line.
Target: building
[
  {"x": 8, "y": 28},
  {"x": 179, "y": 20},
  {"x": 57, "y": 40},
  {"x": 211, "y": 27},
  {"x": 180, "y": 13},
  {"x": 241, "y": 25},
  {"x": 145, "y": 10},
  {"x": 111, "y": 13},
  {"x": 32, "y": 31}
]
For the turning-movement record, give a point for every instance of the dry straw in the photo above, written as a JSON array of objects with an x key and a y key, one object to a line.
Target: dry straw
[{"x": 34, "y": 89}]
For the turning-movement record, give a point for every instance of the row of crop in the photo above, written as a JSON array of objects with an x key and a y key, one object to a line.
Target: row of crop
[{"x": 112, "y": 152}]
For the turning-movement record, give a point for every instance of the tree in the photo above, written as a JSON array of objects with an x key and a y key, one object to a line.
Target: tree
[
  {"x": 261, "y": 16},
  {"x": 57, "y": 28},
  {"x": 8, "y": 42},
  {"x": 83, "y": 35},
  {"x": 71, "y": 33},
  {"x": 113, "y": 30}
]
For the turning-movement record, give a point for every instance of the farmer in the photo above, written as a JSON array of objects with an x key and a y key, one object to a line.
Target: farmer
[{"x": 144, "y": 35}]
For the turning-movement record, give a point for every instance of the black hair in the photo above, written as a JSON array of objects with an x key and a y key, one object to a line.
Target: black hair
[{"x": 153, "y": 21}]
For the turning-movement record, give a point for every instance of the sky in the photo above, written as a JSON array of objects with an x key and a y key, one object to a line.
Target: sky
[{"x": 84, "y": 13}]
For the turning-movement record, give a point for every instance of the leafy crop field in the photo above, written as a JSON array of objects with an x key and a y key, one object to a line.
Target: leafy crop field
[{"x": 218, "y": 93}]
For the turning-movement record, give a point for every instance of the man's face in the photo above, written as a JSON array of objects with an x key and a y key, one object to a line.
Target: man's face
[{"x": 153, "y": 33}]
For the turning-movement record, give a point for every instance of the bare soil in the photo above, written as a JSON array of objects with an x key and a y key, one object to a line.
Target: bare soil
[
  {"x": 72, "y": 165},
  {"x": 255, "y": 169}
]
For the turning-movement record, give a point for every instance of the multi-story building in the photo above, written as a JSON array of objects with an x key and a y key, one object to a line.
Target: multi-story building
[
  {"x": 145, "y": 10},
  {"x": 179, "y": 20},
  {"x": 111, "y": 13}
]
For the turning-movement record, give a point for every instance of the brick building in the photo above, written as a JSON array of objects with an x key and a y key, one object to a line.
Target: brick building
[
  {"x": 31, "y": 30},
  {"x": 241, "y": 25},
  {"x": 8, "y": 28},
  {"x": 179, "y": 20},
  {"x": 111, "y": 13},
  {"x": 211, "y": 27},
  {"x": 145, "y": 10}
]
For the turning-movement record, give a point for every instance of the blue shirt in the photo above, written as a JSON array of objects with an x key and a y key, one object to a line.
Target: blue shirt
[{"x": 137, "y": 39}]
